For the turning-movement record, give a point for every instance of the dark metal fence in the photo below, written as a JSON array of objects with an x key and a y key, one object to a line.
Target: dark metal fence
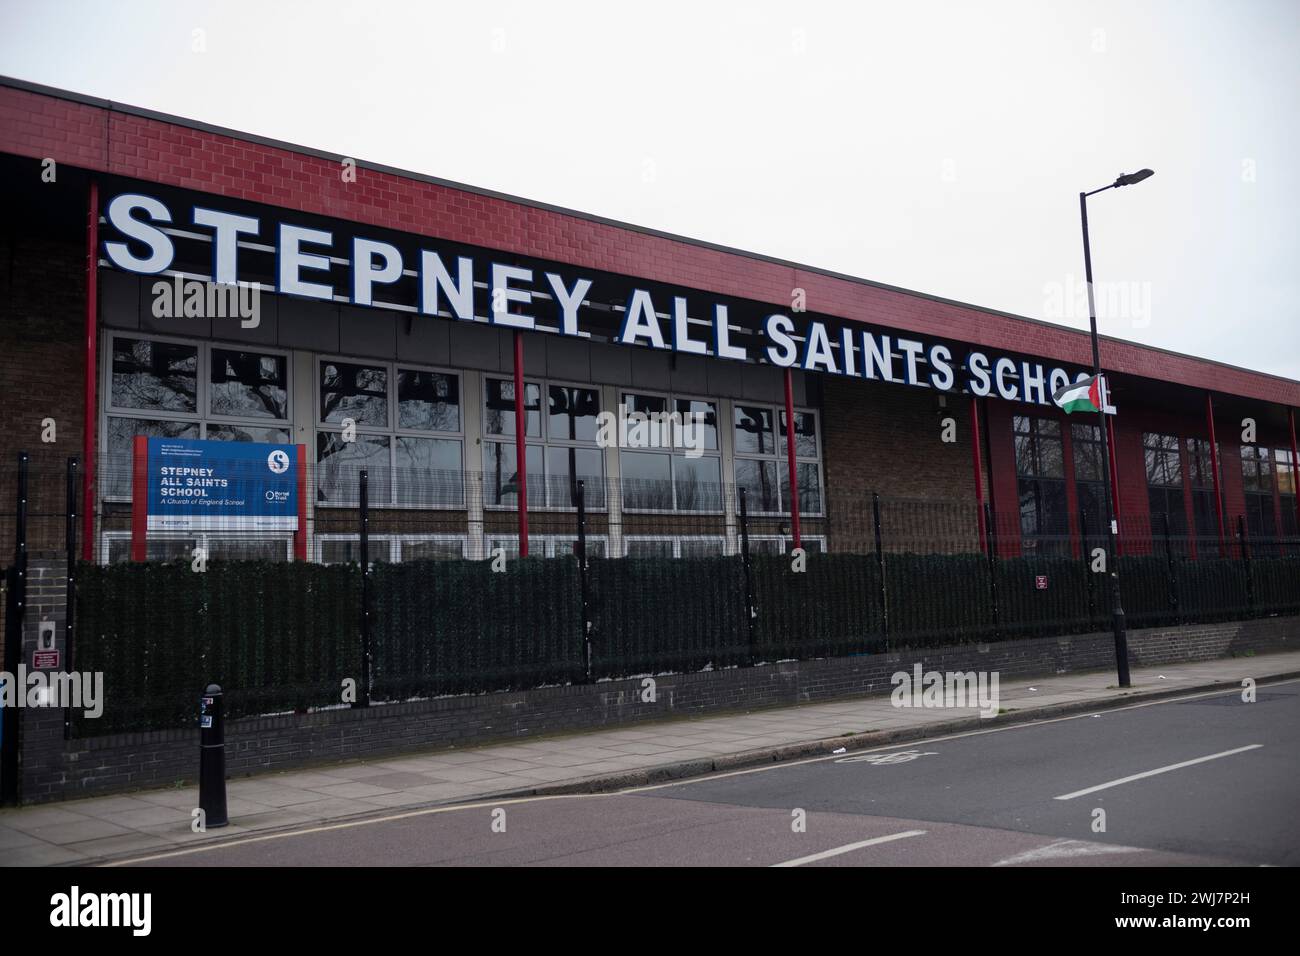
[{"x": 420, "y": 592}]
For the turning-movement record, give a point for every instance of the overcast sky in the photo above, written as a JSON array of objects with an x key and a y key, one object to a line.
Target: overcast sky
[{"x": 938, "y": 146}]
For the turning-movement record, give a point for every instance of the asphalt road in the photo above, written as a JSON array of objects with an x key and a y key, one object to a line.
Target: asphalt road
[{"x": 1204, "y": 781}]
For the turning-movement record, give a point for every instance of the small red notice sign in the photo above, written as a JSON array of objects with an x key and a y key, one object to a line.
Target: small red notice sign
[
  {"x": 45, "y": 660},
  {"x": 1040, "y": 582}
]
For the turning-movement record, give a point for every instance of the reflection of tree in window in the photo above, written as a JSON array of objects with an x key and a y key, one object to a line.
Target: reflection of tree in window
[
  {"x": 1257, "y": 483},
  {"x": 154, "y": 375},
  {"x": 248, "y": 384},
  {"x": 1164, "y": 469},
  {"x": 359, "y": 392},
  {"x": 1040, "y": 473},
  {"x": 428, "y": 401}
]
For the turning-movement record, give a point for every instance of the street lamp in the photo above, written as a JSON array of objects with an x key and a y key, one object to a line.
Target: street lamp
[{"x": 1117, "y": 607}]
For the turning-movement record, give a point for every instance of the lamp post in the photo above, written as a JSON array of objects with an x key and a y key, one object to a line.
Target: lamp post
[{"x": 1112, "y": 529}]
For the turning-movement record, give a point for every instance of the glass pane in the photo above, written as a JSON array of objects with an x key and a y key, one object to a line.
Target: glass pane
[
  {"x": 564, "y": 466},
  {"x": 500, "y": 470},
  {"x": 160, "y": 376},
  {"x": 810, "y": 498},
  {"x": 170, "y": 549},
  {"x": 1048, "y": 426},
  {"x": 359, "y": 392},
  {"x": 805, "y": 434},
  {"x": 643, "y": 418},
  {"x": 647, "y": 481},
  {"x": 698, "y": 482},
  {"x": 248, "y": 385},
  {"x": 1025, "y": 456},
  {"x": 1020, "y": 424},
  {"x": 571, "y": 413},
  {"x": 1087, "y": 461},
  {"x": 428, "y": 401},
  {"x": 648, "y": 548},
  {"x": 339, "y": 464},
  {"x": 428, "y": 472},
  {"x": 115, "y": 470},
  {"x": 701, "y": 547},
  {"x": 563, "y": 547},
  {"x": 702, "y": 417},
  {"x": 754, "y": 433},
  {"x": 758, "y": 478},
  {"x": 347, "y": 550},
  {"x": 248, "y": 549},
  {"x": 253, "y": 433},
  {"x": 509, "y": 546},
  {"x": 436, "y": 549},
  {"x": 1051, "y": 458},
  {"x": 499, "y": 411}
]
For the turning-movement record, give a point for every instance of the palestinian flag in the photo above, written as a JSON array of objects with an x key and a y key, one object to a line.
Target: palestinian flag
[{"x": 1083, "y": 396}]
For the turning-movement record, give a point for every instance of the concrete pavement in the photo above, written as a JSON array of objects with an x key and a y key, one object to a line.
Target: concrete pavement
[{"x": 104, "y": 828}]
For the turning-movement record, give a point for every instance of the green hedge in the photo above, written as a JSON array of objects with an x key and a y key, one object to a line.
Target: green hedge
[
  {"x": 284, "y": 636},
  {"x": 275, "y": 636}
]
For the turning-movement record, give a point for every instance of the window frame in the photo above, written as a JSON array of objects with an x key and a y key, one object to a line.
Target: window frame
[
  {"x": 203, "y": 351},
  {"x": 543, "y": 441},
  {"x": 390, "y": 430},
  {"x": 780, "y": 455},
  {"x": 670, "y": 400}
]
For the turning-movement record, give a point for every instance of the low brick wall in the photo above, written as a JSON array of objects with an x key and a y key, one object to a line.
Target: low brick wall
[{"x": 54, "y": 769}]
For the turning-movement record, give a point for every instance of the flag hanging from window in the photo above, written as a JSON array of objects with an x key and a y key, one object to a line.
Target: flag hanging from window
[{"x": 1082, "y": 396}]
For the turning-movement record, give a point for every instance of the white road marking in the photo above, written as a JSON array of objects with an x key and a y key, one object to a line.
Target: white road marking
[
  {"x": 1158, "y": 770},
  {"x": 850, "y": 847},
  {"x": 1065, "y": 849},
  {"x": 488, "y": 802}
]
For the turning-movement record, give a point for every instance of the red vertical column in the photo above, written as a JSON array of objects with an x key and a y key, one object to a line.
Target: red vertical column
[
  {"x": 300, "y": 536},
  {"x": 521, "y": 445},
  {"x": 1214, "y": 467},
  {"x": 979, "y": 471},
  {"x": 1295, "y": 468},
  {"x": 90, "y": 466},
  {"x": 789, "y": 454},
  {"x": 139, "y": 498}
]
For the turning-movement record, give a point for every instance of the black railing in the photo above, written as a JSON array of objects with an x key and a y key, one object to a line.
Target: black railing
[{"x": 446, "y": 606}]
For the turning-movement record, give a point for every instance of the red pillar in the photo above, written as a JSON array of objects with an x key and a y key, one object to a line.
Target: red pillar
[
  {"x": 521, "y": 445},
  {"x": 1295, "y": 468},
  {"x": 300, "y": 536},
  {"x": 979, "y": 470},
  {"x": 1214, "y": 467},
  {"x": 89, "y": 466},
  {"x": 139, "y": 498},
  {"x": 789, "y": 454}
]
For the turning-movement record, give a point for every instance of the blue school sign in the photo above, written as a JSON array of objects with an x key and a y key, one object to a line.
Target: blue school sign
[{"x": 218, "y": 485}]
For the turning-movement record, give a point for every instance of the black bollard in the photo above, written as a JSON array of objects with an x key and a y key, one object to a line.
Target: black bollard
[{"x": 212, "y": 759}]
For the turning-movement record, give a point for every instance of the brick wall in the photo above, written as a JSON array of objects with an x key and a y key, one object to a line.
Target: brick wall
[
  {"x": 42, "y": 366},
  {"x": 94, "y": 135},
  {"x": 52, "y": 771}
]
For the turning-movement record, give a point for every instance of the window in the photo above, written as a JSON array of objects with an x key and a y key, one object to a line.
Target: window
[
  {"x": 346, "y": 548},
  {"x": 1040, "y": 472},
  {"x": 408, "y": 435},
  {"x": 761, "y": 463},
  {"x": 561, "y": 445},
  {"x": 1286, "y": 491},
  {"x": 1257, "y": 483},
  {"x": 161, "y": 388},
  {"x": 1200, "y": 468},
  {"x": 1164, "y": 468},
  {"x": 115, "y": 546},
  {"x": 783, "y": 544},
  {"x": 669, "y": 546},
  {"x": 1090, "y": 477},
  {"x": 545, "y": 546},
  {"x": 670, "y": 459}
]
